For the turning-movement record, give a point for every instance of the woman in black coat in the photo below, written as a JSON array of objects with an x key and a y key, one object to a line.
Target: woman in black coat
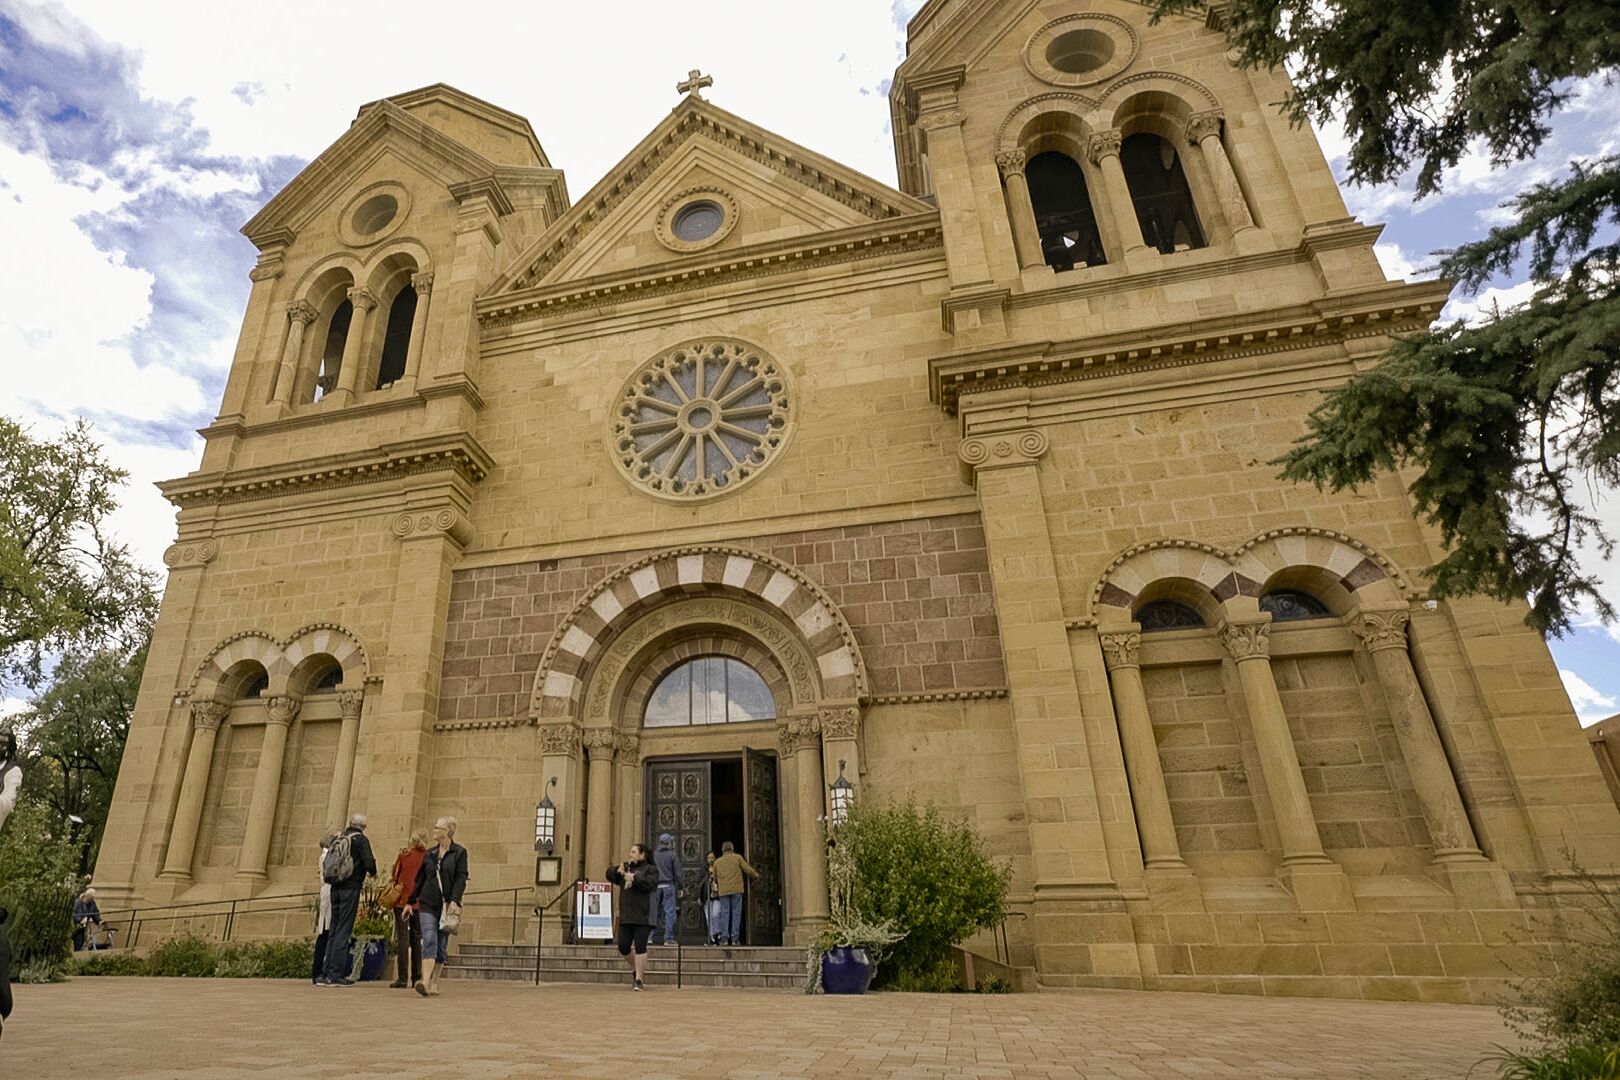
[
  {"x": 637, "y": 879},
  {"x": 440, "y": 884}
]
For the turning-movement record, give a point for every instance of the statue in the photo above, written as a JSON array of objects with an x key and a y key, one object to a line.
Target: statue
[{"x": 10, "y": 774}]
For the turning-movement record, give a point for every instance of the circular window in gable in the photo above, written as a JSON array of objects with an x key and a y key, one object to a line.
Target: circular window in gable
[
  {"x": 373, "y": 213},
  {"x": 1078, "y": 50},
  {"x": 696, "y": 218},
  {"x": 701, "y": 420}
]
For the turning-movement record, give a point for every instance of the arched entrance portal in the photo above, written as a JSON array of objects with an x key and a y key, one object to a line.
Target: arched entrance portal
[{"x": 709, "y": 693}]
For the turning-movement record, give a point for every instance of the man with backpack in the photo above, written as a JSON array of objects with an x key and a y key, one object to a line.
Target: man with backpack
[{"x": 345, "y": 867}]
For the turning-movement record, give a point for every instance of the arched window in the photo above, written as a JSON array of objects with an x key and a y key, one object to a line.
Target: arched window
[
  {"x": 1291, "y": 605},
  {"x": 1159, "y": 192},
  {"x": 256, "y": 687},
  {"x": 1167, "y": 615},
  {"x": 709, "y": 690},
  {"x": 397, "y": 338},
  {"x": 329, "y": 681},
  {"x": 1063, "y": 215},
  {"x": 337, "y": 334}
]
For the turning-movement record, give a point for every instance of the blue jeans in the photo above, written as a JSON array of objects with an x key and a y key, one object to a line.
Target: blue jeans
[
  {"x": 435, "y": 946},
  {"x": 666, "y": 904},
  {"x": 730, "y": 919}
]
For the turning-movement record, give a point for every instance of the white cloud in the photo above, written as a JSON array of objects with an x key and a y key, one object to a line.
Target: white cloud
[
  {"x": 1590, "y": 704},
  {"x": 1482, "y": 306},
  {"x": 1397, "y": 264}
]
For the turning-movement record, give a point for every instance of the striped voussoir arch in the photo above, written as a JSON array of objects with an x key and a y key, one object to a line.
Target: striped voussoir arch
[
  {"x": 280, "y": 658},
  {"x": 616, "y": 602}
]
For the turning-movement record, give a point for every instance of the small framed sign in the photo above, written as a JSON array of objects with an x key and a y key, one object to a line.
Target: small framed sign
[
  {"x": 593, "y": 911},
  {"x": 548, "y": 870}
]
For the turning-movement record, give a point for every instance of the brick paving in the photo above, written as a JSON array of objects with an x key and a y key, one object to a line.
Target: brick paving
[{"x": 145, "y": 1029}]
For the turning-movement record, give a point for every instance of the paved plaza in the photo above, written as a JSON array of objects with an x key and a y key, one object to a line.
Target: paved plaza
[{"x": 145, "y": 1029}]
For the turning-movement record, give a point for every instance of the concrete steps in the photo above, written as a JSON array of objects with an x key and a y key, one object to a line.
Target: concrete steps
[{"x": 766, "y": 968}]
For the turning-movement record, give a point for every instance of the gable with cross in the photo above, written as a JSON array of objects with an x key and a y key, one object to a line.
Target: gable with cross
[{"x": 694, "y": 84}]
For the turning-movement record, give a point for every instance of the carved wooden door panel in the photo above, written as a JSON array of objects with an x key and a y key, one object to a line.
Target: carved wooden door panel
[
  {"x": 678, "y": 804},
  {"x": 761, "y": 837}
]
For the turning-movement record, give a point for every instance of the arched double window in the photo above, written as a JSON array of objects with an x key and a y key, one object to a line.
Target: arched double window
[
  {"x": 337, "y": 335},
  {"x": 709, "y": 690},
  {"x": 1063, "y": 214},
  {"x": 1167, "y": 615},
  {"x": 1160, "y": 194},
  {"x": 397, "y": 337},
  {"x": 1291, "y": 605}
]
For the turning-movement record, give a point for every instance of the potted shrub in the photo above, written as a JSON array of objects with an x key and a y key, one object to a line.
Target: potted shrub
[
  {"x": 844, "y": 956},
  {"x": 372, "y": 931}
]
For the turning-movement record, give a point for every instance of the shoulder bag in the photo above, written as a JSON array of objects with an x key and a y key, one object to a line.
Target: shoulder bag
[{"x": 449, "y": 921}]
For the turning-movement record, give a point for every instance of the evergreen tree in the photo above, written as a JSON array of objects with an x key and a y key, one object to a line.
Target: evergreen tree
[{"x": 1498, "y": 421}]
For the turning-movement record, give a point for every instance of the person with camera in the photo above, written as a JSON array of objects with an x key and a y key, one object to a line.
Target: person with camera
[
  {"x": 441, "y": 882},
  {"x": 637, "y": 879}
]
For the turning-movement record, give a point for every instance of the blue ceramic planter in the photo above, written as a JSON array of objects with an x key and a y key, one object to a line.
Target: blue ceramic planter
[
  {"x": 375, "y": 959},
  {"x": 846, "y": 970}
]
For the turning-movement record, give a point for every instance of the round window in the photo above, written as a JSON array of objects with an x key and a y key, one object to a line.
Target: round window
[
  {"x": 374, "y": 214},
  {"x": 1080, "y": 51},
  {"x": 697, "y": 221}
]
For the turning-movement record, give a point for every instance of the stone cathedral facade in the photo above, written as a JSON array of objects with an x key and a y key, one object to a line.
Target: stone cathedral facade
[{"x": 743, "y": 473}]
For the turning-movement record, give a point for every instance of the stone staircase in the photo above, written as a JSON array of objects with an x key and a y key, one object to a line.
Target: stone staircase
[{"x": 762, "y": 967}]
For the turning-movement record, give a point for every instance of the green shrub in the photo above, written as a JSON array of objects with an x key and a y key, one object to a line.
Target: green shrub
[
  {"x": 40, "y": 971},
  {"x": 993, "y": 984},
  {"x": 108, "y": 963},
  {"x": 942, "y": 978},
  {"x": 1578, "y": 1061},
  {"x": 38, "y": 881},
  {"x": 927, "y": 875},
  {"x": 284, "y": 959},
  {"x": 184, "y": 957},
  {"x": 239, "y": 963}
]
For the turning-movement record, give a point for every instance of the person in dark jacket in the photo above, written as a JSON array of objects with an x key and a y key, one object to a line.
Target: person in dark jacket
[
  {"x": 637, "y": 880},
  {"x": 346, "y": 903},
  {"x": 86, "y": 920},
  {"x": 5, "y": 970},
  {"x": 440, "y": 884},
  {"x": 668, "y": 863}
]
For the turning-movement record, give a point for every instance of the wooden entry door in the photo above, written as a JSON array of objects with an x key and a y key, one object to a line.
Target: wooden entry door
[
  {"x": 678, "y": 803},
  {"x": 762, "y": 838}
]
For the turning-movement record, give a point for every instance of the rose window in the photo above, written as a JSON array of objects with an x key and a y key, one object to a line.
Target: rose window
[{"x": 701, "y": 419}]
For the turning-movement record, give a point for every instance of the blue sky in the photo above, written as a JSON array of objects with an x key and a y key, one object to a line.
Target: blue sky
[{"x": 136, "y": 138}]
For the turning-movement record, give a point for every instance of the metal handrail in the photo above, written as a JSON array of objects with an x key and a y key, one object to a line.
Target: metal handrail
[
  {"x": 540, "y": 921},
  {"x": 999, "y": 936}
]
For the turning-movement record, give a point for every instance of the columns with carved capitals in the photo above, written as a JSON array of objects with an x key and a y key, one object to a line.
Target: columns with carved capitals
[
  {"x": 337, "y": 803},
  {"x": 1104, "y": 153},
  {"x": 300, "y": 315},
  {"x": 1383, "y": 633},
  {"x": 1204, "y": 132},
  {"x": 206, "y": 716},
  {"x": 423, "y": 284},
  {"x": 559, "y": 757},
  {"x": 261, "y": 818},
  {"x": 364, "y": 300},
  {"x": 1249, "y": 644},
  {"x": 1020, "y": 210},
  {"x": 1154, "y": 823},
  {"x": 800, "y": 739},
  {"x": 840, "y": 742},
  {"x": 600, "y": 744}
]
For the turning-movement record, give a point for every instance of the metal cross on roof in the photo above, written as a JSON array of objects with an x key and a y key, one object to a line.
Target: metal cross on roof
[{"x": 694, "y": 84}]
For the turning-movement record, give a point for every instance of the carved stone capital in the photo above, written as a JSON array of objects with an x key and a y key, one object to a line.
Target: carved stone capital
[
  {"x": 432, "y": 524},
  {"x": 1202, "y": 125},
  {"x": 1247, "y": 640},
  {"x": 302, "y": 312},
  {"x": 629, "y": 748},
  {"x": 362, "y": 298},
  {"x": 208, "y": 715},
  {"x": 268, "y": 267},
  {"x": 281, "y": 708},
  {"x": 188, "y": 555},
  {"x": 843, "y": 722},
  {"x": 350, "y": 701},
  {"x": 942, "y": 118},
  {"x": 422, "y": 282},
  {"x": 1379, "y": 630},
  {"x": 1010, "y": 162},
  {"x": 1103, "y": 144},
  {"x": 1003, "y": 449},
  {"x": 798, "y": 734},
  {"x": 561, "y": 739},
  {"x": 1120, "y": 648},
  {"x": 600, "y": 743}
]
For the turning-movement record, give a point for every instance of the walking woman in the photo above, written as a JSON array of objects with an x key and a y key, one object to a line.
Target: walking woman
[
  {"x": 637, "y": 880},
  {"x": 440, "y": 884},
  {"x": 407, "y": 931}
]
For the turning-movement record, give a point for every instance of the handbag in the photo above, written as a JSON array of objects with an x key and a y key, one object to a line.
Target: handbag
[
  {"x": 449, "y": 921},
  {"x": 391, "y": 894}
]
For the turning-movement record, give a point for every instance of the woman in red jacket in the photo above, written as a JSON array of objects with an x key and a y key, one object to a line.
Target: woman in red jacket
[{"x": 407, "y": 933}]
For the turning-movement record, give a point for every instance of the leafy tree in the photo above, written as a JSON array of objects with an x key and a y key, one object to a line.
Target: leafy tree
[
  {"x": 37, "y": 885},
  {"x": 63, "y": 581},
  {"x": 1500, "y": 421}
]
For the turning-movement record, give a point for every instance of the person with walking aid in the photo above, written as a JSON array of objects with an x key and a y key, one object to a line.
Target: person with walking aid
[
  {"x": 441, "y": 882},
  {"x": 669, "y": 884},
  {"x": 637, "y": 879},
  {"x": 729, "y": 869},
  {"x": 407, "y": 931},
  {"x": 345, "y": 867}
]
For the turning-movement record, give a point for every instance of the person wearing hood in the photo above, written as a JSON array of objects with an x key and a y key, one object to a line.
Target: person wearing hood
[{"x": 668, "y": 862}]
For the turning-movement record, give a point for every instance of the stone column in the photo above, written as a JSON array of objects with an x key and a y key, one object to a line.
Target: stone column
[
  {"x": 300, "y": 315},
  {"x": 1204, "y": 132},
  {"x": 423, "y": 284},
  {"x": 1020, "y": 210},
  {"x": 337, "y": 803},
  {"x": 1383, "y": 633},
  {"x": 206, "y": 716},
  {"x": 255, "y": 854},
  {"x": 1154, "y": 822},
  {"x": 800, "y": 739},
  {"x": 599, "y": 746},
  {"x": 559, "y": 757},
  {"x": 626, "y": 792},
  {"x": 1249, "y": 644},
  {"x": 1104, "y": 153},
  {"x": 363, "y": 300}
]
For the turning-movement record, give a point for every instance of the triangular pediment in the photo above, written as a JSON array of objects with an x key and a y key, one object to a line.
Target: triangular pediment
[{"x": 776, "y": 189}]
